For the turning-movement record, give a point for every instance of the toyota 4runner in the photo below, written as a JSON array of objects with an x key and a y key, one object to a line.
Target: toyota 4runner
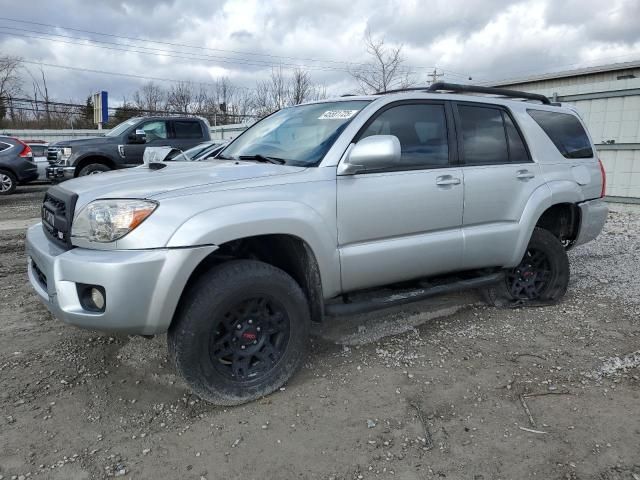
[{"x": 328, "y": 208}]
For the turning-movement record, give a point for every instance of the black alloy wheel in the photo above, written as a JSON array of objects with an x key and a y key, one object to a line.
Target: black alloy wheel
[
  {"x": 250, "y": 338},
  {"x": 541, "y": 277},
  {"x": 529, "y": 280},
  {"x": 241, "y": 332}
]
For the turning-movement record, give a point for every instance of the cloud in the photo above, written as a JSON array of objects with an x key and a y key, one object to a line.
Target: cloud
[{"x": 245, "y": 39}]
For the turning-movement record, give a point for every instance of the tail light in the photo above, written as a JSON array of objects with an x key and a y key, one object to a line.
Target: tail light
[
  {"x": 26, "y": 150},
  {"x": 603, "y": 192}
]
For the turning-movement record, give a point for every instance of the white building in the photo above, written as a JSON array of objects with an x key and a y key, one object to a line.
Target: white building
[{"x": 608, "y": 99}]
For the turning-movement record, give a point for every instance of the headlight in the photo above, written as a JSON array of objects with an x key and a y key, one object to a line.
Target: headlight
[
  {"x": 109, "y": 220},
  {"x": 65, "y": 154}
]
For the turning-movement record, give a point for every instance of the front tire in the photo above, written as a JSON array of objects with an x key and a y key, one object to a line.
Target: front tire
[
  {"x": 541, "y": 277},
  {"x": 8, "y": 182},
  {"x": 242, "y": 331},
  {"x": 92, "y": 169}
]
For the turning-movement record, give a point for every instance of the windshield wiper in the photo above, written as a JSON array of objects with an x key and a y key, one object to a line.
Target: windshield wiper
[{"x": 263, "y": 159}]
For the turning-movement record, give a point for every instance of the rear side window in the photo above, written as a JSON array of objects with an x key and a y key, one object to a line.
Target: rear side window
[
  {"x": 565, "y": 131},
  {"x": 421, "y": 130},
  {"x": 517, "y": 150},
  {"x": 484, "y": 140},
  {"x": 4, "y": 146},
  {"x": 186, "y": 129}
]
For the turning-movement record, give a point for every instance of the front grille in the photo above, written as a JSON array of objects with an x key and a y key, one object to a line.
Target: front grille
[
  {"x": 54, "y": 154},
  {"x": 57, "y": 214}
]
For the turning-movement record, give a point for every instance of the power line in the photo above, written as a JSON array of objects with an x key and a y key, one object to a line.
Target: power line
[
  {"x": 138, "y": 39},
  {"x": 120, "y": 74},
  {"x": 171, "y": 55}
]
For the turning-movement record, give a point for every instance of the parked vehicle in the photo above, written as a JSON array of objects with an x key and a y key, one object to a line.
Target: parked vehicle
[
  {"x": 16, "y": 164},
  {"x": 202, "y": 151},
  {"x": 123, "y": 146},
  {"x": 400, "y": 196},
  {"x": 39, "y": 150}
]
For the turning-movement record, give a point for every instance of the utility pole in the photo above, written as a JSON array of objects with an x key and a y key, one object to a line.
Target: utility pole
[{"x": 435, "y": 75}]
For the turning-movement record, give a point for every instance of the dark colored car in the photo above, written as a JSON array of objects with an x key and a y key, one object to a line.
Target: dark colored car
[
  {"x": 123, "y": 146},
  {"x": 16, "y": 164}
]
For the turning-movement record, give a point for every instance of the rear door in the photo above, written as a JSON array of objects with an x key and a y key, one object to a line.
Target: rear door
[
  {"x": 499, "y": 178},
  {"x": 403, "y": 221}
]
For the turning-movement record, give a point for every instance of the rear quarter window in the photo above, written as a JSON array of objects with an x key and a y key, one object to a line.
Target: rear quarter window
[
  {"x": 187, "y": 129},
  {"x": 565, "y": 131}
]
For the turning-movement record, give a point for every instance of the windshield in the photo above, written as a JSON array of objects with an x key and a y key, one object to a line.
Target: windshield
[
  {"x": 300, "y": 135},
  {"x": 118, "y": 129}
]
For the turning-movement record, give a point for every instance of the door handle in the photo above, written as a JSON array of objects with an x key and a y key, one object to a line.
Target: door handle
[
  {"x": 524, "y": 175},
  {"x": 447, "y": 180}
]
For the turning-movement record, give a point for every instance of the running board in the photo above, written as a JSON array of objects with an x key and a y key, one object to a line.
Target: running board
[{"x": 377, "y": 303}]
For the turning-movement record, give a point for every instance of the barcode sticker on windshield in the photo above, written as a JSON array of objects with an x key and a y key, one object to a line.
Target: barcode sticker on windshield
[{"x": 337, "y": 114}]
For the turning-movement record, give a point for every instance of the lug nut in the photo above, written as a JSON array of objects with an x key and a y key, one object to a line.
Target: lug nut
[
  {"x": 250, "y": 322},
  {"x": 258, "y": 329},
  {"x": 255, "y": 341},
  {"x": 239, "y": 326},
  {"x": 242, "y": 347}
]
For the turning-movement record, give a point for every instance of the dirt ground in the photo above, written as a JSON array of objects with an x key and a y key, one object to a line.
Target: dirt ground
[{"x": 448, "y": 388}]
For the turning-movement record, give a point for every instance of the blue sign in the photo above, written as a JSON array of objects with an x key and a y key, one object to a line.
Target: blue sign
[{"x": 104, "y": 103}]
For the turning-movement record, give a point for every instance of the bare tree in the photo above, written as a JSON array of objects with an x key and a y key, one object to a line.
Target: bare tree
[
  {"x": 10, "y": 84},
  {"x": 180, "y": 97},
  {"x": 384, "y": 71},
  {"x": 301, "y": 88},
  {"x": 149, "y": 98}
]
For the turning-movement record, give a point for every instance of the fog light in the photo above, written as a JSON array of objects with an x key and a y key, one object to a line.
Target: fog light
[
  {"x": 97, "y": 298},
  {"x": 92, "y": 297}
]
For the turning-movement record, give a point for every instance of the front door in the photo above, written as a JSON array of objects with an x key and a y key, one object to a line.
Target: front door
[
  {"x": 403, "y": 222},
  {"x": 156, "y": 133},
  {"x": 499, "y": 179}
]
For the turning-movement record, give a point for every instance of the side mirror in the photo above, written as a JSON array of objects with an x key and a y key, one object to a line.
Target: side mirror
[
  {"x": 370, "y": 154},
  {"x": 139, "y": 136}
]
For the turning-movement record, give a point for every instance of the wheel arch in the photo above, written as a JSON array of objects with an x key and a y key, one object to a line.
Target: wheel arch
[
  {"x": 548, "y": 202},
  {"x": 93, "y": 158},
  {"x": 284, "y": 251}
]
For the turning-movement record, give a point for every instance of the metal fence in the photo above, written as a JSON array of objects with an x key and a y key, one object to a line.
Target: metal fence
[{"x": 220, "y": 132}]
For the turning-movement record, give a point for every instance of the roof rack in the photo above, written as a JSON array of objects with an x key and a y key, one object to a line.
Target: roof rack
[{"x": 458, "y": 88}]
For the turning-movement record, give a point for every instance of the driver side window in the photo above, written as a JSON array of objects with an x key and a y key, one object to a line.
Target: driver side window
[
  {"x": 421, "y": 130},
  {"x": 155, "y": 130}
]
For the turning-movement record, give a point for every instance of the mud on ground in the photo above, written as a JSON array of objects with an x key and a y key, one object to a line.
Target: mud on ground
[{"x": 448, "y": 388}]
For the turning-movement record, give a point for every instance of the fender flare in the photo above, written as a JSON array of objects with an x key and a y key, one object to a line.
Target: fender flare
[
  {"x": 90, "y": 154},
  {"x": 542, "y": 198},
  {"x": 220, "y": 225}
]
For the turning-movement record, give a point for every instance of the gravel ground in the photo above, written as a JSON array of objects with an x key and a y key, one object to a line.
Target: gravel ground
[{"x": 448, "y": 388}]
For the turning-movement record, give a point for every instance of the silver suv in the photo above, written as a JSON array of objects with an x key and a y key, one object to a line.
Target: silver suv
[{"x": 328, "y": 208}]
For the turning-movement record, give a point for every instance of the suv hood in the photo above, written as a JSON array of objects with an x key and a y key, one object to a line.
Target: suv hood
[{"x": 143, "y": 182}]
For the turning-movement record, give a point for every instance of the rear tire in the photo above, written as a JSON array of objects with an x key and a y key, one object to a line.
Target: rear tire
[
  {"x": 242, "y": 331},
  {"x": 541, "y": 277},
  {"x": 92, "y": 169},
  {"x": 8, "y": 182}
]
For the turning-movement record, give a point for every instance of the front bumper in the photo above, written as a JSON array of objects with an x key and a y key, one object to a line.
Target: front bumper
[
  {"x": 142, "y": 287},
  {"x": 593, "y": 216},
  {"x": 56, "y": 172}
]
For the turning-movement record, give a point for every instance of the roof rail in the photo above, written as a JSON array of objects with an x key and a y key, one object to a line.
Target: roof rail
[
  {"x": 503, "y": 92},
  {"x": 458, "y": 88}
]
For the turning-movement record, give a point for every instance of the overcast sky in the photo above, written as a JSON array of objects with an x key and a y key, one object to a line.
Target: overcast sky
[{"x": 485, "y": 40}]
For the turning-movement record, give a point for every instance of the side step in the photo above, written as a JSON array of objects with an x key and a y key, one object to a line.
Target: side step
[{"x": 393, "y": 300}]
